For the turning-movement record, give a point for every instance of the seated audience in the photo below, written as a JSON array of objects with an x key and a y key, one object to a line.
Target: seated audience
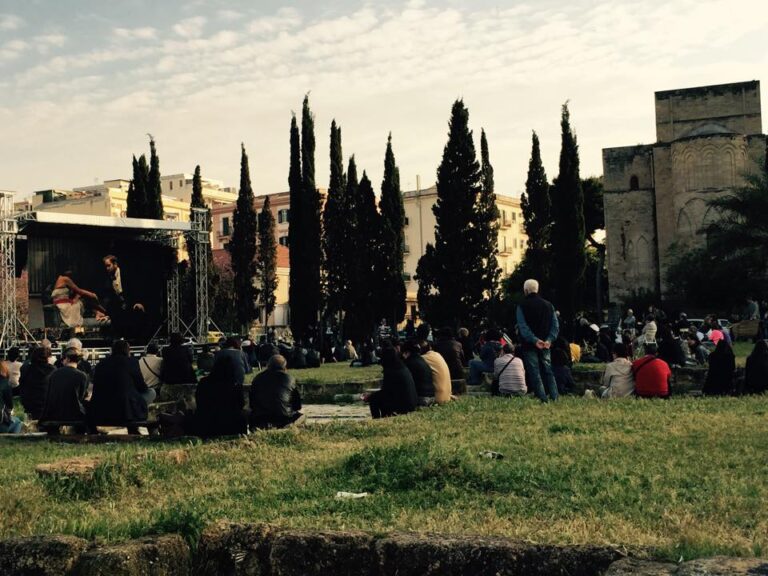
[
  {"x": 451, "y": 351},
  {"x": 421, "y": 373},
  {"x": 618, "y": 381},
  {"x": 562, "y": 371},
  {"x": 299, "y": 357},
  {"x": 177, "y": 362},
  {"x": 9, "y": 424},
  {"x": 220, "y": 399},
  {"x": 756, "y": 371},
  {"x": 488, "y": 354},
  {"x": 205, "y": 359},
  {"x": 561, "y": 343},
  {"x": 14, "y": 367},
  {"x": 575, "y": 352},
  {"x": 120, "y": 395},
  {"x": 83, "y": 365},
  {"x": 651, "y": 374},
  {"x": 670, "y": 347},
  {"x": 151, "y": 366},
  {"x": 313, "y": 358},
  {"x": 604, "y": 344},
  {"x": 466, "y": 346},
  {"x": 274, "y": 397},
  {"x": 721, "y": 372},
  {"x": 508, "y": 369},
  {"x": 266, "y": 351},
  {"x": 398, "y": 390},
  {"x": 648, "y": 335},
  {"x": 351, "y": 353},
  {"x": 33, "y": 382},
  {"x": 698, "y": 351},
  {"x": 441, "y": 374},
  {"x": 67, "y": 387},
  {"x": 231, "y": 353}
]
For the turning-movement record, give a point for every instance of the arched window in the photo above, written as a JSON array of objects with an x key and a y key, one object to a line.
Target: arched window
[{"x": 634, "y": 183}]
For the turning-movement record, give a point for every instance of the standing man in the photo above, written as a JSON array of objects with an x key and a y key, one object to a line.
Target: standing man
[{"x": 538, "y": 327}]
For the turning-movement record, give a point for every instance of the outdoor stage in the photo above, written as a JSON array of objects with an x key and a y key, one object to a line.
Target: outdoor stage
[{"x": 44, "y": 242}]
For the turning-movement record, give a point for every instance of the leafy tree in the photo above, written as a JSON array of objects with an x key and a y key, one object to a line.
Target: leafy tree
[
  {"x": 392, "y": 243},
  {"x": 568, "y": 238},
  {"x": 242, "y": 248},
  {"x": 364, "y": 283},
  {"x": 267, "y": 259},
  {"x": 537, "y": 219},
  {"x": 295, "y": 232},
  {"x": 154, "y": 206},
  {"x": 454, "y": 269},
  {"x": 487, "y": 228},
  {"x": 137, "y": 190},
  {"x": 337, "y": 227}
]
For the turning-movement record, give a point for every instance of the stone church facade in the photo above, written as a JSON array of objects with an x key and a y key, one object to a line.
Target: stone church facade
[{"x": 656, "y": 195}]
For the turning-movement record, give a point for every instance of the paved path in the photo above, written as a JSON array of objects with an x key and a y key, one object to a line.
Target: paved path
[{"x": 321, "y": 413}]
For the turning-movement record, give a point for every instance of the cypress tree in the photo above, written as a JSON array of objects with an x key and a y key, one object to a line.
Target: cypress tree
[
  {"x": 392, "y": 244},
  {"x": 242, "y": 248},
  {"x": 364, "y": 283},
  {"x": 568, "y": 238},
  {"x": 137, "y": 190},
  {"x": 312, "y": 236},
  {"x": 456, "y": 262},
  {"x": 337, "y": 229},
  {"x": 295, "y": 231},
  {"x": 267, "y": 259},
  {"x": 487, "y": 230},
  {"x": 537, "y": 219},
  {"x": 154, "y": 205},
  {"x": 352, "y": 252}
]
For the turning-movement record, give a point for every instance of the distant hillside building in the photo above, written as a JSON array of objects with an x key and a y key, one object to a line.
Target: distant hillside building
[{"x": 656, "y": 194}]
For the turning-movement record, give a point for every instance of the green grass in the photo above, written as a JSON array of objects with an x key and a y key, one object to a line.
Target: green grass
[
  {"x": 686, "y": 477},
  {"x": 337, "y": 373}
]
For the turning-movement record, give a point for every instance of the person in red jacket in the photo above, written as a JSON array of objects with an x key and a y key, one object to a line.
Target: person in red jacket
[{"x": 651, "y": 374}]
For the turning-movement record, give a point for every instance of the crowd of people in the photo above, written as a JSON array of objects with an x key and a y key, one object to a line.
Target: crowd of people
[{"x": 422, "y": 370}]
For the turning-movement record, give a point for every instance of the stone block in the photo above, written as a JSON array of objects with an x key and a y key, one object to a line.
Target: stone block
[
  {"x": 422, "y": 555},
  {"x": 152, "y": 556},
  {"x": 724, "y": 566},
  {"x": 300, "y": 553},
  {"x": 234, "y": 549},
  {"x": 635, "y": 567},
  {"x": 40, "y": 555}
]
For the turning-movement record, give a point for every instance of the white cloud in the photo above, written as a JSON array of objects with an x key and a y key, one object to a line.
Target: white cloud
[
  {"x": 284, "y": 19},
  {"x": 10, "y": 22},
  {"x": 144, "y": 33},
  {"x": 190, "y": 27},
  {"x": 229, "y": 15}
]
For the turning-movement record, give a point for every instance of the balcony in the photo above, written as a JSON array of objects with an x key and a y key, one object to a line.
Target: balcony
[
  {"x": 406, "y": 249},
  {"x": 505, "y": 222},
  {"x": 505, "y": 251}
]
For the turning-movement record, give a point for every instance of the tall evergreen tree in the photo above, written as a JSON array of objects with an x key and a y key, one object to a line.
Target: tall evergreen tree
[
  {"x": 351, "y": 250},
  {"x": 392, "y": 243},
  {"x": 311, "y": 219},
  {"x": 295, "y": 232},
  {"x": 137, "y": 190},
  {"x": 337, "y": 228},
  {"x": 364, "y": 283},
  {"x": 568, "y": 237},
  {"x": 305, "y": 232},
  {"x": 455, "y": 270},
  {"x": 267, "y": 260},
  {"x": 537, "y": 220},
  {"x": 154, "y": 206},
  {"x": 242, "y": 247},
  {"x": 487, "y": 229}
]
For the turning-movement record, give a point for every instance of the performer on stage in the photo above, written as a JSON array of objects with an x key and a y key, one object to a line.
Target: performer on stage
[
  {"x": 69, "y": 299},
  {"x": 116, "y": 298}
]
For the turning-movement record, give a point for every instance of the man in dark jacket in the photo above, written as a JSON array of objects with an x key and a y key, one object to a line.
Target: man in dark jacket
[
  {"x": 451, "y": 351},
  {"x": 177, "y": 362},
  {"x": 398, "y": 391},
  {"x": 220, "y": 400},
  {"x": 66, "y": 391},
  {"x": 421, "y": 372},
  {"x": 120, "y": 395},
  {"x": 538, "y": 327},
  {"x": 275, "y": 400}
]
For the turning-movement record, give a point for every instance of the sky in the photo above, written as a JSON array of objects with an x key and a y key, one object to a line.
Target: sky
[{"x": 82, "y": 82}]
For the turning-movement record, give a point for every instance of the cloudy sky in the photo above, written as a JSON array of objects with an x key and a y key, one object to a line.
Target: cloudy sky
[{"x": 83, "y": 81}]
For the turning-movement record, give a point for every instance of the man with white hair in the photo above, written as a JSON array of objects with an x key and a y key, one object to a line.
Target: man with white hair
[{"x": 538, "y": 327}]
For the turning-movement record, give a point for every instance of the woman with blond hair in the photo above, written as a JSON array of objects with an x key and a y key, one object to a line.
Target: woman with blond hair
[{"x": 9, "y": 424}]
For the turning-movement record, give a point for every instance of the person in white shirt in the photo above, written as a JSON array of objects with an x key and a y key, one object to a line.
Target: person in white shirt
[
  {"x": 618, "y": 380},
  {"x": 151, "y": 365},
  {"x": 510, "y": 372},
  {"x": 14, "y": 366}
]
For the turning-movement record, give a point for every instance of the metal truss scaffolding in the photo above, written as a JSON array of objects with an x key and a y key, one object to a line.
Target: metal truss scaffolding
[
  {"x": 8, "y": 230},
  {"x": 172, "y": 293},
  {"x": 200, "y": 258}
]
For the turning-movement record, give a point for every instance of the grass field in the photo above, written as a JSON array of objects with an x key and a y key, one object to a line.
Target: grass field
[{"x": 686, "y": 477}]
